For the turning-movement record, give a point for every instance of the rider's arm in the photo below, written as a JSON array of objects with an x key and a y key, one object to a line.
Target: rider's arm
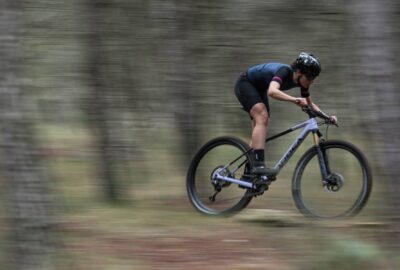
[
  {"x": 275, "y": 93},
  {"x": 313, "y": 106}
]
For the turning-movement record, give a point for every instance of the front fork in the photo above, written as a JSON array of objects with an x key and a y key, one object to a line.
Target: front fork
[{"x": 322, "y": 156}]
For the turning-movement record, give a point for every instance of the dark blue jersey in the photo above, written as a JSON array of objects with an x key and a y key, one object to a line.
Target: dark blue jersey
[{"x": 262, "y": 75}]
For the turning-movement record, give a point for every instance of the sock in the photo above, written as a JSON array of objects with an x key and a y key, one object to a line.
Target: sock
[{"x": 258, "y": 154}]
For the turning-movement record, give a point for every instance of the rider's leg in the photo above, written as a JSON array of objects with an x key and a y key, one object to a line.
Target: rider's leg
[
  {"x": 260, "y": 117},
  {"x": 260, "y": 126},
  {"x": 256, "y": 104}
]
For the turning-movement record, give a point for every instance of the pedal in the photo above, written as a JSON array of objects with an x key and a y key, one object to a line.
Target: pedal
[
  {"x": 270, "y": 178},
  {"x": 265, "y": 180}
]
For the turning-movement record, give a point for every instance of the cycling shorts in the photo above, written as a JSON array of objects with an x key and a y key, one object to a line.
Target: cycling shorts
[{"x": 248, "y": 95}]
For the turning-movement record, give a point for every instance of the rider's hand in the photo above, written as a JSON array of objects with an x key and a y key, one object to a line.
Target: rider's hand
[
  {"x": 301, "y": 102},
  {"x": 333, "y": 120}
]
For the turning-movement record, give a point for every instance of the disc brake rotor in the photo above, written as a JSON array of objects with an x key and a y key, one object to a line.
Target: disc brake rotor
[{"x": 335, "y": 182}]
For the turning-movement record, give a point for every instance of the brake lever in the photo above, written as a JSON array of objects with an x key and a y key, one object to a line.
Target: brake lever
[{"x": 329, "y": 122}]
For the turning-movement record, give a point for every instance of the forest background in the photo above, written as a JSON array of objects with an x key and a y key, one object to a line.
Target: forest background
[{"x": 103, "y": 104}]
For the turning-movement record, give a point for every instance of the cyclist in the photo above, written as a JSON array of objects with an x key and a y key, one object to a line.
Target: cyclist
[{"x": 258, "y": 83}]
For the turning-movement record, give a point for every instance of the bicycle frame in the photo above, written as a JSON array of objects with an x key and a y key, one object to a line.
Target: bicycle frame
[{"x": 308, "y": 126}]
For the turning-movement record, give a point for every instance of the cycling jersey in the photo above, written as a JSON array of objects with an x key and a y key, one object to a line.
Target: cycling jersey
[
  {"x": 262, "y": 75},
  {"x": 251, "y": 87}
]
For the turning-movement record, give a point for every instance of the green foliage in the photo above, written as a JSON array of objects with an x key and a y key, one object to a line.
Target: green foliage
[{"x": 350, "y": 254}]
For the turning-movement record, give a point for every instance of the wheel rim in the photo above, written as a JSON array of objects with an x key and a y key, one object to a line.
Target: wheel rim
[
  {"x": 204, "y": 185},
  {"x": 344, "y": 191}
]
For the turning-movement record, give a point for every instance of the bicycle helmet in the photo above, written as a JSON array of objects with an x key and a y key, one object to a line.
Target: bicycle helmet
[{"x": 307, "y": 64}]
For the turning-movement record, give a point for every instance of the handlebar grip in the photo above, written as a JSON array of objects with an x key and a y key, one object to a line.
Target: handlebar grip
[
  {"x": 322, "y": 115},
  {"x": 329, "y": 122},
  {"x": 312, "y": 113}
]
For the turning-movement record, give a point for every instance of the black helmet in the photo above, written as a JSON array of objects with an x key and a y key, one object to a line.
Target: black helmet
[{"x": 307, "y": 64}]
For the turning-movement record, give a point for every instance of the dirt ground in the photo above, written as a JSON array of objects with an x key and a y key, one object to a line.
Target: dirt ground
[{"x": 172, "y": 235}]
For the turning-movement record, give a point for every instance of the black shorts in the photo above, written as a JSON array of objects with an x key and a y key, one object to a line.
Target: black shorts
[{"x": 248, "y": 95}]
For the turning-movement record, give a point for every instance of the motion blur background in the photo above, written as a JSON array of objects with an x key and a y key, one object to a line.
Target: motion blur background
[{"x": 105, "y": 102}]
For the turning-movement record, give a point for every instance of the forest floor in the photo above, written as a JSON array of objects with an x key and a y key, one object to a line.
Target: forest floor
[
  {"x": 157, "y": 228},
  {"x": 170, "y": 234}
]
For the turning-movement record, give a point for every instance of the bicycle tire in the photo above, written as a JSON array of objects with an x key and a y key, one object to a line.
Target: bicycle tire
[
  {"x": 348, "y": 151},
  {"x": 194, "y": 179}
]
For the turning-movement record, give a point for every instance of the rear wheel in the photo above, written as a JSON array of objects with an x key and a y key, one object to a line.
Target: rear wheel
[
  {"x": 347, "y": 188},
  {"x": 227, "y": 156}
]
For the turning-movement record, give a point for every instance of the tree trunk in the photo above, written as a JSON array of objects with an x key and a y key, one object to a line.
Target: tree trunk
[
  {"x": 29, "y": 204},
  {"x": 373, "y": 25},
  {"x": 100, "y": 99},
  {"x": 178, "y": 50}
]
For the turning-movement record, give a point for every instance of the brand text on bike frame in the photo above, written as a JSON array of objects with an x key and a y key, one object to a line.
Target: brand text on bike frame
[{"x": 308, "y": 126}]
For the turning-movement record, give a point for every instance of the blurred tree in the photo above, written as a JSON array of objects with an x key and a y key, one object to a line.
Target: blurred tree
[
  {"x": 100, "y": 100},
  {"x": 178, "y": 19},
  {"x": 373, "y": 26},
  {"x": 29, "y": 203}
]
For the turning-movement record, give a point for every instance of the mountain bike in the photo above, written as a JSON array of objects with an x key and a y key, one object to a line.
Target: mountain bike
[{"x": 332, "y": 179}]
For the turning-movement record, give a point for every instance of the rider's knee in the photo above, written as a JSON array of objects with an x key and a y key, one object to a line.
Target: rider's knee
[
  {"x": 260, "y": 114},
  {"x": 262, "y": 118}
]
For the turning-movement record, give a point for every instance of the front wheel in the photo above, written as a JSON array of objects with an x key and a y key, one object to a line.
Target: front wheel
[
  {"x": 226, "y": 156},
  {"x": 346, "y": 189}
]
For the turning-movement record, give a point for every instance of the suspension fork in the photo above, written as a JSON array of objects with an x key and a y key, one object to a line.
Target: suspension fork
[{"x": 322, "y": 155}]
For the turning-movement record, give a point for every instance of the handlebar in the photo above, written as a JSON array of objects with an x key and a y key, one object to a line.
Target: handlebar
[{"x": 312, "y": 114}]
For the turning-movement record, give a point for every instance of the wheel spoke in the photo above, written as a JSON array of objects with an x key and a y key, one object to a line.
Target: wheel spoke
[
  {"x": 343, "y": 193},
  {"x": 223, "y": 156}
]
